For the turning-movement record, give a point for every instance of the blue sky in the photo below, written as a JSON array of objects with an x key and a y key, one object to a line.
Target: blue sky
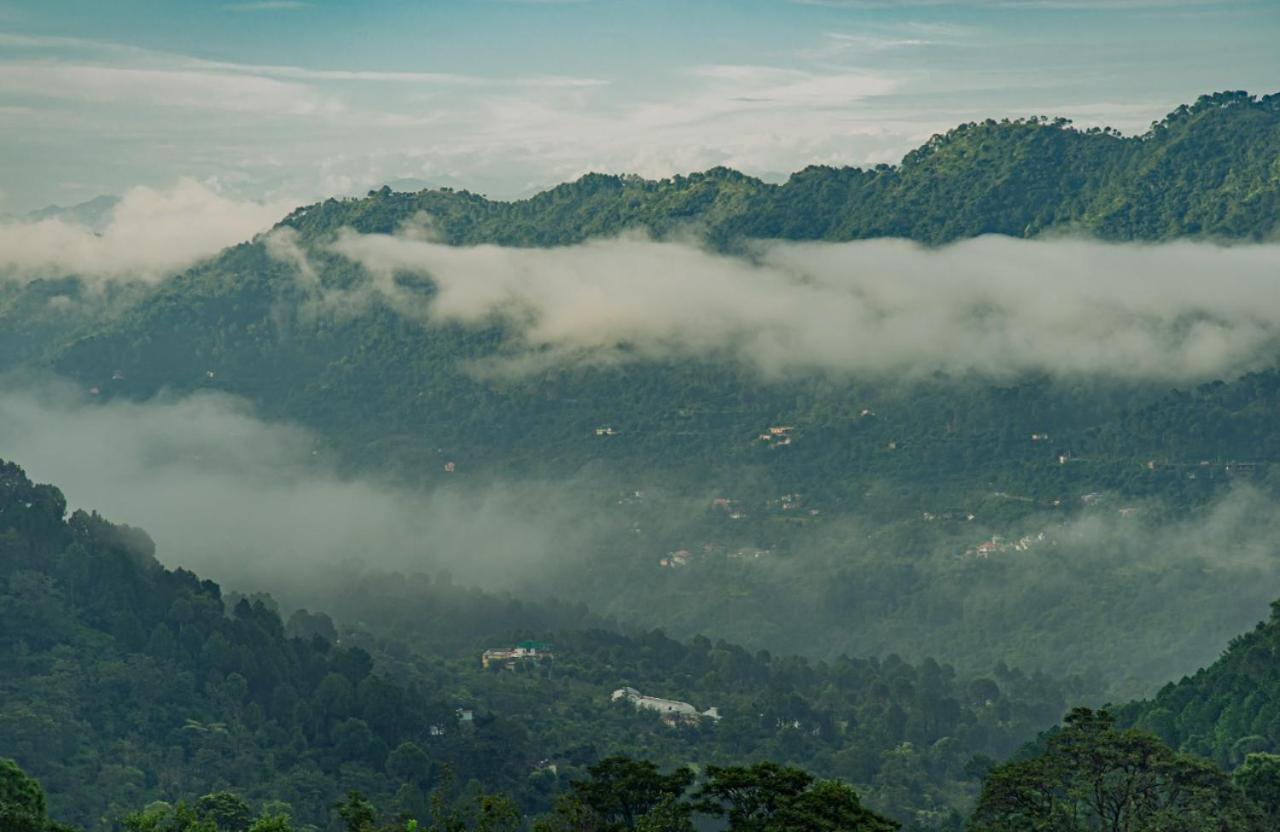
[{"x": 296, "y": 99}]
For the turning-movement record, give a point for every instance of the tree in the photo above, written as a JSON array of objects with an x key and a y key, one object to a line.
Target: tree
[
  {"x": 767, "y": 797},
  {"x": 22, "y": 805},
  {"x": 161, "y": 817},
  {"x": 751, "y": 796},
  {"x": 271, "y": 823},
  {"x": 408, "y": 763},
  {"x": 228, "y": 811},
  {"x": 1092, "y": 776},
  {"x": 829, "y": 806},
  {"x": 620, "y": 790},
  {"x": 1259, "y": 778},
  {"x": 358, "y": 814}
]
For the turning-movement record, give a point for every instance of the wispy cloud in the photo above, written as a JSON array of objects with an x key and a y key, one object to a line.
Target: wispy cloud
[
  {"x": 736, "y": 88},
  {"x": 266, "y": 6},
  {"x": 190, "y": 89},
  {"x": 117, "y": 55},
  {"x": 1019, "y": 4},
  {"x": 151, "y": 233}
]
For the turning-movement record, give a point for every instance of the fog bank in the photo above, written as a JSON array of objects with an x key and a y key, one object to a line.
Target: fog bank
[
  {"x": 993, "y": 306},
  {"x": 149, "y": 234},
  {"x": 236, "y": 498}
]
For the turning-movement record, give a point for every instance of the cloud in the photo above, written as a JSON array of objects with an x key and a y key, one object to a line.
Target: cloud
[
  {"x": 1016, "y": 4},
  {"x": 189, "y": 89},
  {"x": 267, "y": 6},
  {"x": 993, "y": 306},
  {"x": 1092, "y": 591},
  {"x": 236, "y": 498},
  {"x": 151, "y": 233},
  {"x": 734, "y": 89},
  {"x": 115, "y": 56}
]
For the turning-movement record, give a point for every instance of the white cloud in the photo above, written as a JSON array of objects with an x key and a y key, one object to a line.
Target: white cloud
[
  {"x": 237, "y": 498},
  {"x": 993, "y": 306},
  {"x": 1022, "y": 4},
  {"x": 267, "y": 6},
  {"x": 191, "y": 89},
  {"x": 151, "y": 233}
]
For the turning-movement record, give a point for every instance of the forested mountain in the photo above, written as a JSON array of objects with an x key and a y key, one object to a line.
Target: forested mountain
[
  {"x": 241, "y": 322},
  {"x": 1229, "y": 711},
  {"x": 876, "y": 509},
  {"x": 1030, "y": 529},
  {"x": 125, "y": 682},
  {"x": 1207, "y": 169}
]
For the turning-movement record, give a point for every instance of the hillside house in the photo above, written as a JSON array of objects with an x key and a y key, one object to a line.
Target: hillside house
[
  {"x": 777, "y": 435},
  {"x": 508, "y": 657},
  {"x": 673, "y": 712}
]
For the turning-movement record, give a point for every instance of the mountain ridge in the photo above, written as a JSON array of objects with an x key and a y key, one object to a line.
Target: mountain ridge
[{"x": 1208, "y": 169}]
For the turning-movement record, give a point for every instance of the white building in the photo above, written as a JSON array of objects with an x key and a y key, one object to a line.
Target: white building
[{"x": 673, "y": 711}]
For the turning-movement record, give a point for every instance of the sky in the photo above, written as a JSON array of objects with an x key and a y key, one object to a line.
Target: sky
[{"x": 292, "y": 100}]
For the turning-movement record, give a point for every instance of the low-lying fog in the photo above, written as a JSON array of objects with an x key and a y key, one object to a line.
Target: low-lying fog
[{"x": 248, "y": 503}]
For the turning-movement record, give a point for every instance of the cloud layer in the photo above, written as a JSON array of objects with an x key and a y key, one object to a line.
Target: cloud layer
[
  {"x": 992, "y": 306},
  {"x": 473, "y": 106},
  {"x": 239, "y": 499},
  {"x": 151, "y": 233}
]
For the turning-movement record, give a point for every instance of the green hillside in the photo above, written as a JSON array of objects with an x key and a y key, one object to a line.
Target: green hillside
[
  {"x": 1227, "y": 711},
  {"x": 1211, "y": 168},
  {"x": 124, "y": 682},
  {"x": 850, "y": 534}
]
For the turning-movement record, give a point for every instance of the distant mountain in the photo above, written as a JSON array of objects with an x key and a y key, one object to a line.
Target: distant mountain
[
  {"x": 1207, "y": 170},
  {"x": 93, "y": 214},
  {"x": 392, "y": 395}
]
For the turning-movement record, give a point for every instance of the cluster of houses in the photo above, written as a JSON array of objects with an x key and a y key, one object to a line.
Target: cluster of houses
[
  {"x": 998, "y": 544},
  {"x": 533, "y": 652},
  {"x": 934, "y": 517},
  {"x": 777, "y": 436},
  {"x": 631, "y": 497},
  {"x": 678, "y": 559},
  {"x": 681, "y": 558},
  {"x": 672, "y": 711},
  {"x": 729, "y": 506}
]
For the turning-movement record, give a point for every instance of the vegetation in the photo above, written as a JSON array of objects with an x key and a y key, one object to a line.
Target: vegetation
[
  {"x": 124, "y": 682},
  {"x": 1227, "y": 712},
  {"x": 147, "y": 697},
  {"x": 1208, "y": 169},
  {"x": 1092, "y": 775}
]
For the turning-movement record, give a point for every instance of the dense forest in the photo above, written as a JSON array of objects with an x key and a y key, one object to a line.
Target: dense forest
[
  {"x": 1227, "y": 712},
  {"x": 233, "y": 697},
  {"x": 1207, "y": 169},
  {"x": 865, "y": 600},
  {"x": 126, "y": 683},
  {"x": 884, "y": 501}
]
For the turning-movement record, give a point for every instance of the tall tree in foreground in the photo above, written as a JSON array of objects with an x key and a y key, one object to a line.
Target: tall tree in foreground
[
  {"x": 22, "y": 803},
  {"x": 1093, "y": 776},
  {"x": 767, "y": 797},
  {"x": 624, "y": 794}
]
